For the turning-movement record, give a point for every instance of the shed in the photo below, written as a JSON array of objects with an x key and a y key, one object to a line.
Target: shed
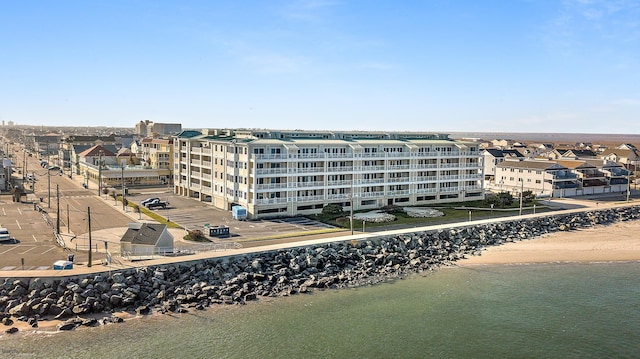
[{"x": 146, "y": 239}]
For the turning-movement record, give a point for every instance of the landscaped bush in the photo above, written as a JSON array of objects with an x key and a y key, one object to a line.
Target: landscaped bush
[
  {"x": 196, "y": 235},
  {"x": 332, "y": 209}
]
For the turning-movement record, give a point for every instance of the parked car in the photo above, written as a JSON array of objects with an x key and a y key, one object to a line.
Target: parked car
[
  {"x": 149, "y": 200},
  {"x": 53, "y": 168},
  {"x": 157, "y": 204},
  {"x": 5, "y": 236}
]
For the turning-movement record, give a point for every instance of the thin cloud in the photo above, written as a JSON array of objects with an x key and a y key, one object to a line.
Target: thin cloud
[
  {"x": 308, "y": 10},
  {"x": 276, "y": 63}
]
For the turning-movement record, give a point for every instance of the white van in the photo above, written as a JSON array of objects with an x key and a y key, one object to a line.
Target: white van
[{"x": 5, "y": 236}]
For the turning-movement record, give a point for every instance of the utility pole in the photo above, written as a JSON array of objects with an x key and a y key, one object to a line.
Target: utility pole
[
  {"x": 628, "y": 183},
  {"x": 68, "y": 220},
  {"x": 58, "y": 210},
  {"x": 89, "y": 223},
  {"x": 351, "y": 206},
  {"x": 99, "y": 172},
  {"x": 521, "y": 190},
  {"x": 124, "y": 207},
  {"x": 49, "y": 188}
]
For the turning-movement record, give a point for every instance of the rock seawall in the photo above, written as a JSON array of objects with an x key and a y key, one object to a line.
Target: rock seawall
[{"x": 237, "y": 279}]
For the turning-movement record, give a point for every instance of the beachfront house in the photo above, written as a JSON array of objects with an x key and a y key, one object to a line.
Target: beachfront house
[{"x": 146, "y": 239}]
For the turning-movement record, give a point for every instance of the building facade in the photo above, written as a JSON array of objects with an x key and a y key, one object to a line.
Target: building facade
[
  {"x": 562, "y": 178},
  {"x": 286, "y": 173}
]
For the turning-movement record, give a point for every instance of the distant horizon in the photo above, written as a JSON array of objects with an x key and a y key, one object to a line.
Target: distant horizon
[
  {"x": 520, "y": 66},
  {"x": 458, "y": 131}
]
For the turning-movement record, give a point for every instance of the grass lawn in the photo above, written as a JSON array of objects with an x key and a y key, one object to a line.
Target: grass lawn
[{"x": 453, "y": 212}]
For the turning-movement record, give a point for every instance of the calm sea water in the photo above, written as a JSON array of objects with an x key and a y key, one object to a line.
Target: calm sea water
[{"x": 533, "y": 311}]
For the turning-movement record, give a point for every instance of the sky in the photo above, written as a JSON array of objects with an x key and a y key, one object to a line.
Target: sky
[{"x": 432, "y": 66}]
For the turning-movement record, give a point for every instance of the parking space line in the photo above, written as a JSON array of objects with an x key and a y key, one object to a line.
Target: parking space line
[
  {"x": 19, "y": 211},
  {"x": 34, "y": 237},
  {"x": 8, "y": 268},
  {"x": 49, "y": 250},
  {"x": 30, "y": 249},
  {"x": 19, "y": 226},
  {"x": 10, "y": 249},
  {"x": 3, "y": 211}
]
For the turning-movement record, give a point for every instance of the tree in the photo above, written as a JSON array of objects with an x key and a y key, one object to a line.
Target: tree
[
  {"x": 502, "y": 199},
  {"x": 136, "y": 209},
  {"x": 332, "y": 209},
  {"x": 528, "y": 196},
  {"x": 16, "y": 193}
]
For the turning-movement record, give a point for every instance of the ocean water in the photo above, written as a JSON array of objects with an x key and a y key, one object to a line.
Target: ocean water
[{"x": 524, "y": 311}]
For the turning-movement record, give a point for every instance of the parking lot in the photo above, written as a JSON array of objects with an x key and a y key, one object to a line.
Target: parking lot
[
  {"x": 35, "y": 246},
  {"x": 193, "y": 214}
]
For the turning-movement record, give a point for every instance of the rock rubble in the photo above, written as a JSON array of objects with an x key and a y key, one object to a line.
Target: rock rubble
[{"x": 237, "y": 279}]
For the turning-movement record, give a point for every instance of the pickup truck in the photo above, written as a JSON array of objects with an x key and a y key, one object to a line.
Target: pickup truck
[{"x": 157, "y": 204}]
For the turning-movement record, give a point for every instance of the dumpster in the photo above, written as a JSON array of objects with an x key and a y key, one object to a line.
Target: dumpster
[
  {"x": 238, "y": 212},
  {"x": 61, "y": 265},
  {"x": 219, "y": 231}
]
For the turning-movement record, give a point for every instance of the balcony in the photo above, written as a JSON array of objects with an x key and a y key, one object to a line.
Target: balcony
[
  {"x": 398, "y": 167},
  {"x": 269, "y": 171},
  {"x": 404, "y": 192},
  {"x": 370, "y": 194},
  {"x": 338, "y": 196},
  {"x": 399, "y": 179},
  {"x": 305, "y": 184},
  {"x": 426, "y": 178},
  {"x": 306, "y": 199},
  {"x": 370, "y": 180},
  {"x": 426, "y": 190},
  {"x": 264, "y": 201},
  {"x": 340, "y": 183}
]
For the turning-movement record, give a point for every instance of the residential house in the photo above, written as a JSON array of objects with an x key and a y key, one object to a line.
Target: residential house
[{"x": 146, "y": 239}]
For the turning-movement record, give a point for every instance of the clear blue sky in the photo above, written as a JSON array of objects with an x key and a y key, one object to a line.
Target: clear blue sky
[{"x": 512, "y": 66}]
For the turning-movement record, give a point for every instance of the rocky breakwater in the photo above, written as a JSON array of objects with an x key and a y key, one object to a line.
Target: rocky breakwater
[{"x": 237, "y": 279}]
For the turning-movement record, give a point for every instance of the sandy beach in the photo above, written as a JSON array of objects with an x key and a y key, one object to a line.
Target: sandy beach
[{"x": 617, "y": 242}]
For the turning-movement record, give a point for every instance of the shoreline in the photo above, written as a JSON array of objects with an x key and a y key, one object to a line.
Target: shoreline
[
  {"x": 613, "y": 242},
  {"x": 605, "y": 243}
]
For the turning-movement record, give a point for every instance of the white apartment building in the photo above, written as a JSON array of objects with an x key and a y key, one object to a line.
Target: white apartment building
[{"x": 286, "y": 173}]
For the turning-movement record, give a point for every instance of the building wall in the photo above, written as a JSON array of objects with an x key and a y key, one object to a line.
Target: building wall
[{"x": 273, "y": 176}]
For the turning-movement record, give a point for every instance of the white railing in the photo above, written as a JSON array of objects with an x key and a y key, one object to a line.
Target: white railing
[
  {"x": 399, "y": 167},
  {"x": 305, "y": 184},
  {"x": 370, "y": 180},
  {"x": 268, "y": 171},
  {"x": 399, "y": 179},
  {"x": 339, "y": 196},
  {"x": 339, "y": 183},
  {"x": 271, "y": 200},
  {"x": 403, "y": 192},
  {"x": 426, "y": 190},
  {"x": 426, "y": 178},
  {"x": 306, "y": 199},
  {"x": 371, "y": 194}
]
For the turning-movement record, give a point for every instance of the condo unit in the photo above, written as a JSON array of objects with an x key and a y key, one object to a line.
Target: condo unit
[{"x": 287, "y": 173}]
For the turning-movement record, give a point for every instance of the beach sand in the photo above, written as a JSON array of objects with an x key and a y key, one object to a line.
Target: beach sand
[{"x": 616, "y": 242}]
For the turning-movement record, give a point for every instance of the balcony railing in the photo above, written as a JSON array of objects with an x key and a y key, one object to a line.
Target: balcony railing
[
  {"x": 271, "y": 200},
  {"x": 403, "y": 192},
  {"x": 305, "y": 199}
]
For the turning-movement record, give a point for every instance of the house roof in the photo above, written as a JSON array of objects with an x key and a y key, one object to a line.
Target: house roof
[
  {"x": 95, "y": 151},
  {"x": 504, "y": 153},
  {"x": 189, "y": 134},
  {"x": 535, "y": 165},
  {"x": 144, "y": 233}
]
